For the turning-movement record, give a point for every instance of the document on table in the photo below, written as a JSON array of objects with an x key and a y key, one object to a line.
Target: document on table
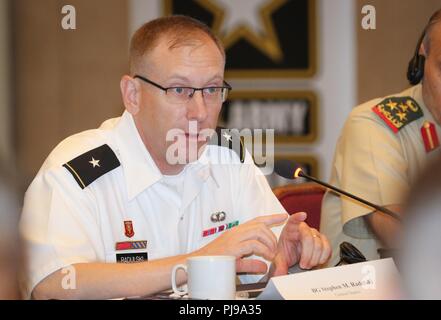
[{"x": 378, "y": 279}]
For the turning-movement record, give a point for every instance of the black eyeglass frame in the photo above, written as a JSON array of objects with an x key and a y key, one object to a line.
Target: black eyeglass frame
[{"x": 225, "y": 87}]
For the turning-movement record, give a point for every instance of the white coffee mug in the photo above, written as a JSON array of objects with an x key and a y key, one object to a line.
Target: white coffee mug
[{"x": 208, "y": 277}]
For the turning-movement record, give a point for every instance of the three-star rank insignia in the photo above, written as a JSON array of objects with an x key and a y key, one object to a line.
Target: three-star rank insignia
[
  {"x": 91, "y": 165},
  {"x": 128, "y": 229},
  {"x": 229, "y": 139},
  {"x": 430, "y": 137},
  {"x": 397, "y": 112}
]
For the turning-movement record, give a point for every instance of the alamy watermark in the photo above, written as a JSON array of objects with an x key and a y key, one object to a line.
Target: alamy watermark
[
  {"x": 369, "y": 20},
  {"x": 69, "y": 281},
  {"x": 69, "y": 20},
  {"x": 185, "y": 147}
]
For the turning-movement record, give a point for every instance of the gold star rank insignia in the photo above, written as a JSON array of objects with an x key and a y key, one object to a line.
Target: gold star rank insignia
[
  {"x": 401, "y": 115},
  {"x": 397, "y": 112},
  {"x": 403, "y": 107},
  {"x": 391, "y": 105}
]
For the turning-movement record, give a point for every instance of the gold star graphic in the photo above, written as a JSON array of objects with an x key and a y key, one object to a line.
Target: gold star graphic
[
  {"x": 267, "y": 41},
  {"x": 401, "y": 115},
  {"x": 391, "y": 105},
  {"x": 403, "y": 107}
]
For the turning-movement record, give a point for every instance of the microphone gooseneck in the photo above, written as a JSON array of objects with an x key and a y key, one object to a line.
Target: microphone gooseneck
[{"x": 290, "y": 170}]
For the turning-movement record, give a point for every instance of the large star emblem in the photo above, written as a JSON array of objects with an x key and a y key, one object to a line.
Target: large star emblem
[{"x": 247, "y": 19}]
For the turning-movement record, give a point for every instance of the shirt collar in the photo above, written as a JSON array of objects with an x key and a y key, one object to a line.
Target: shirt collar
[{"x": 141, "y": 172}]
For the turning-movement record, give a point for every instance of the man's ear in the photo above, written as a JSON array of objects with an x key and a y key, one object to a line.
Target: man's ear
[
  {"x": 130, "y": 91},
  {"x": 422, "y": 51}
]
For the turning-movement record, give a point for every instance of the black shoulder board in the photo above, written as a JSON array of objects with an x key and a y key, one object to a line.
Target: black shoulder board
[
  {"x": 91, "y": 165},
  {"x": 229, "y": 139},
  {"x": 398, "y": 112}
]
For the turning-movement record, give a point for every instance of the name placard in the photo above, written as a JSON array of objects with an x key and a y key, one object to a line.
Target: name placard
[{"x": 376, "y": 280}]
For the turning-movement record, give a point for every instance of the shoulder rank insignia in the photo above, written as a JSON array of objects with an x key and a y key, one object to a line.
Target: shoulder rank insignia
[
  {"x": 91, "y": 165},
  {"x": 430, "y": 137},
  {"x": 397, "y": 112},
  {"x": 229, "y": 139}
]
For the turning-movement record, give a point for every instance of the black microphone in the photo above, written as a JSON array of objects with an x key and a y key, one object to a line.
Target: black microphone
[
  {"x": 290, "y": 170},
  {"x": 349, "y": 254}
]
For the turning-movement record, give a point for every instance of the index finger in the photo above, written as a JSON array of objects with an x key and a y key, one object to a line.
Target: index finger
[
  {"x": 298, "y": 217},
  {"x": 273, "y": 219}
]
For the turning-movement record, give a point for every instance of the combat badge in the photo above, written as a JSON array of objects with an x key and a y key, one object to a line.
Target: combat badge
[{"x": 218, "y": 216}]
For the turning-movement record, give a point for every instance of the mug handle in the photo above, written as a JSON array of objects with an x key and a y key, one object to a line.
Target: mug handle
[{"x": 173, "y": 279}]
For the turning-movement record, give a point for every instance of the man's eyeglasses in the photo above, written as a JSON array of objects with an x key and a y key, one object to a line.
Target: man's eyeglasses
[{"x": 211, "y": 95}]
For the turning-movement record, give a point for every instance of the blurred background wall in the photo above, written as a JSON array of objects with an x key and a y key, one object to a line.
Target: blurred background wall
[
  {"x": 56, "y": 82},
  {"x": 6, "y": 94},
  {"x": 66, "y": 81},
  {"x": 383, "y": 54}
]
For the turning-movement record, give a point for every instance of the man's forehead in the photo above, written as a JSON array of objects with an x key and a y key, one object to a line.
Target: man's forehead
[
  {"x": 173, "y": 40},
  {"x": 188, "y": 79},
  {"x": 192, "y": 53}
]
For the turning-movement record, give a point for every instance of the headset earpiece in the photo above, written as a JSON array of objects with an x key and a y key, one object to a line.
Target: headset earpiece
[{"x": 415, "y": 70}]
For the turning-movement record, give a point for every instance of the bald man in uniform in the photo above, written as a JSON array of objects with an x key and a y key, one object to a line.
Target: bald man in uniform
[
  {"x": 111, "y": 208},
  {"x": 384, "y": 146}
]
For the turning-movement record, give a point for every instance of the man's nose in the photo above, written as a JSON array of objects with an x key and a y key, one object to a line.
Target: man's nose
[{"x": 197, "y": 109}]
